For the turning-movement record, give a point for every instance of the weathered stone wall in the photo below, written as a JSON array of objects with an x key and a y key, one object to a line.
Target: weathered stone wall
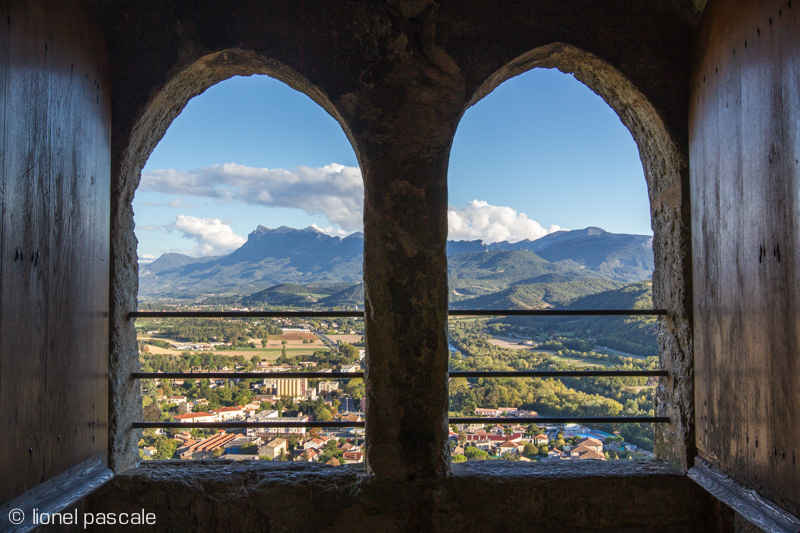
[
  {"x": 490, "y": 496},
  {"x": 398, "y": 75}
]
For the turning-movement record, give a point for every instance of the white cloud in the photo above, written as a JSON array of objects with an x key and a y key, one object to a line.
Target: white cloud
[
  {"x": 146, "y": 258},
  {"x": 330, "y": 230},
  {"x": 335, "y": 191},
  {"x": 180, "y": 203},
  {"x": 492, "y": 223},
  {"x": 176, "y": 203},
  {"x": 213, "y": 236}
]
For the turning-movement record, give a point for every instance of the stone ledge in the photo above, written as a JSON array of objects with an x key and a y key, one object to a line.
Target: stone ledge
[
  {"x": 195, "y": 471},
  {"x": 478, "y": 496}
]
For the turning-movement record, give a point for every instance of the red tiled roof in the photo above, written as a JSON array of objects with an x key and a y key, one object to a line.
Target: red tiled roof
[{"x": 189, "y": 416}]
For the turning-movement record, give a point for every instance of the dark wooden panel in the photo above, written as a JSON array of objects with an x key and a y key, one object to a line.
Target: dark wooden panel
[
  {"x": 54, "y": 297},
  {"x": 25, "y": 163},
  {"x": 745, "y": 145}
]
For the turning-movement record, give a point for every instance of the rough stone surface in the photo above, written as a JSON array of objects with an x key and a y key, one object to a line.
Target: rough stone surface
[
  {"x": 490, "y": 496},
  {"x": 398, "y": 75}
]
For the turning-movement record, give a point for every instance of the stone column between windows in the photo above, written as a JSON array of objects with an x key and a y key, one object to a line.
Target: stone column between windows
[
  {"x": 405, "y": 277},
  {"x": 404, "y": 160}
]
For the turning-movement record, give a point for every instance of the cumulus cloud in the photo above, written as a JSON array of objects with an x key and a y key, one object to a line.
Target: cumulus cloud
[
  {"x": 492, "y": 223},
  {"x": 146, "y": 258},
  {"x": 213, "y": 236},
  {"x": 335, "y": 191}
]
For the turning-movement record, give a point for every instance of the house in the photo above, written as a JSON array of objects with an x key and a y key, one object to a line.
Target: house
[
  {"x": 484, "y": 445},
  {"x": 509, "y": 447},
  {"x": 540, "y": 440},
  {"x": 312, "y": 454},
  {"x": 584, "y": 452},
  {"x": 204, "y": 449},
  {"x": 149, "y": 451},
  {"x": 480, "y": 411},
  {"x": 274, "y": 448},
  {"x": 590, "y": 443},
  {"x": 199, "y": 417},
  {"x": 229, "y": 413},
  {"x": 353, "y": 457},
  {"x": 289, "y": 430},
  {"x": 313, "y": 444}
]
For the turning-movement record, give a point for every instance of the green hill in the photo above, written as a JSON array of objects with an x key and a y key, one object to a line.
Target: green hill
[
  {"x": 635, "y": 334},
  {"x": 352, "y": 295},
  {"x": 538, "y": 295},
  {"x": 283, "y": 295},
  {"x": 486, "y": 272}
]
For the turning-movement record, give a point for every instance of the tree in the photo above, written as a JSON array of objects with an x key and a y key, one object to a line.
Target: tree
[
  {"x": 474, "y": 454},
  {"x": 348, "y": 352},
  {"x": 165, "y": 447},
  {"x": 462, "y": 437},
  {"x": 529, "y": 449},
  {"x": 458, "y": 458},
  {"x": 151, "y": 413},
  {"x": 543, "y": 451}
]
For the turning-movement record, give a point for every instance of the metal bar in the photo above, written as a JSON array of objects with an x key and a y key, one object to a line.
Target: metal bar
[
  {"x": 245, "y": 314},
  {"x": 558, "y": 312},
  {"x": 245, "y": 375},
  {"x": 242, "y": 424},
  {"x": 453, "y": 374},
  {"x": 559, "y": 373},
  {"x": 360, "y": 314},
  {"x": 561, "y": 420}
]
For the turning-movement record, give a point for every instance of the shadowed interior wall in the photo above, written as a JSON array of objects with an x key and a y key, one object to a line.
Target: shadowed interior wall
[
  {"x": 54, "y": 207},
  {"x": 744, "y": 150}
]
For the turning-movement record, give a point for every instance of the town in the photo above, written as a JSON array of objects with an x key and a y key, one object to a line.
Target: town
[{"x": 288, "y": 345}]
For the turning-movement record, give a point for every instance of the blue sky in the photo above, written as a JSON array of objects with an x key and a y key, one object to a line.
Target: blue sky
[{"x": 540, "y": 153}]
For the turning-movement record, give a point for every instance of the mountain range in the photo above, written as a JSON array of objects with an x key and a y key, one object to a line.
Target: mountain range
[{"x": 297, "y": 267}]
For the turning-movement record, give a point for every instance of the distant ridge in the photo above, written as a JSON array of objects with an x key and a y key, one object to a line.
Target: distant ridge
[{"x": 286, "y": 255}]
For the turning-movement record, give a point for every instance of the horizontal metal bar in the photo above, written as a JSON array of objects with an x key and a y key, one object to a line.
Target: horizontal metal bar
[
  {"x": 245, "y": 375},
  {"x": 558, "y": 373},
  {"x": 231, "y": 424},
  {"x": 246, "y": 314},
  {"x": 558, "y": 312},
  {"x": 360, "y": 314},
  {"x": 453, "y": 374},
  {"x": 561, "y": 420}
]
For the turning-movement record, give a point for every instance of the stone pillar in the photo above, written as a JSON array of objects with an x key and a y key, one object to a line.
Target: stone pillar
[
  {"x": 403, "y": 135},
  {"x": 405, "y": 278}
]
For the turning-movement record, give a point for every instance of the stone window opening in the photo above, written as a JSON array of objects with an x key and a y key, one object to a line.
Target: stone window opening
[
  {"x": 206, "y": 72},
  {"x": 521, "y": 122},
  {"x": 385, "y": 195}
]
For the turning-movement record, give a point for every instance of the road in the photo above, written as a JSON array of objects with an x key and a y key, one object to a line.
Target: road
[
  {"x": 617, "y": 352},
  {"x": 327, "y": 340}
]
